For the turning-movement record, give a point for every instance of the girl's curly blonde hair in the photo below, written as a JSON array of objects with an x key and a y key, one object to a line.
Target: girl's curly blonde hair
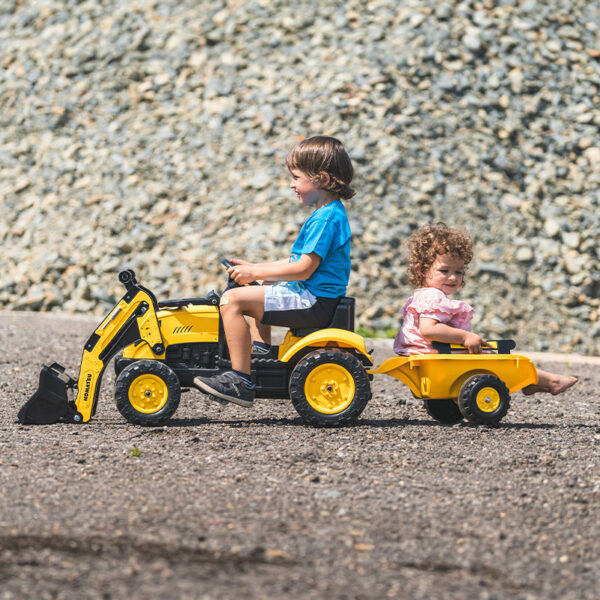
[{"x": 431, "y": 241}]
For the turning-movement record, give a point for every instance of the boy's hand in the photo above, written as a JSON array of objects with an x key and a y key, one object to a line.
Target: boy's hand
[
  {"x": 473, "y": 342},
  {"x": 242, "y": 273}
]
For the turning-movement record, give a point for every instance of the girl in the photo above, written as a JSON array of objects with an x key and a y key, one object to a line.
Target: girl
[
  {"x": 302, "y": 291},
  {"x": 438, "y": 257}
]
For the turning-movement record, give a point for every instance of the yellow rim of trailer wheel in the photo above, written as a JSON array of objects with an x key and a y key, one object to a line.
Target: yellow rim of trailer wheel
[
  {"x": 329, "y": 388},
  {"x": 148, "y": 393},
  {"x": 488, "y": 399}
]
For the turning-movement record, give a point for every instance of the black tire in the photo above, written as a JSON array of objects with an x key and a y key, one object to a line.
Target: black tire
[
  {"x": 484, "y": 399},
  {"x": 147, "y": 392},
  {"x": 340, "y": 388},
  {"x": 444, "y": 411}
]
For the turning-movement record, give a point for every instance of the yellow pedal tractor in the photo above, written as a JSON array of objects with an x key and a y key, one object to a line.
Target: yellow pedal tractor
[
  {"x": 455, "y": 385},
  {"x": 166, "y": 344}
]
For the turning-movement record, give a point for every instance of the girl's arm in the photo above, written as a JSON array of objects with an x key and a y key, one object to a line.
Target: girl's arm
[
  {"x": 435, "y": 331},
  {"x": 281, "y": 270}
]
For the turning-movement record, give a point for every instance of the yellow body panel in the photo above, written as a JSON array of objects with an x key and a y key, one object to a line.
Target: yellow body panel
[
  {"x": 435, "y": 376},
  {"x": 188, "y": 324},
  {"x": 324, "y": 338}
]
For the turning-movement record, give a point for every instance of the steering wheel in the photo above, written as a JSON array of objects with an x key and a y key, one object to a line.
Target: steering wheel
[{"x": 231, "y": 283}]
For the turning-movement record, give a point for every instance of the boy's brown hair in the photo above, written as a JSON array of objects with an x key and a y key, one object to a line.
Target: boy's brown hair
[
  {"x": 323, "y": 154},
  {"x": 431, "y": 241}
]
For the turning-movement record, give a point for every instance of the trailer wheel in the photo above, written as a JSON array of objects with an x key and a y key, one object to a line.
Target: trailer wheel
[
  {"x": 444, "y": 411},
  {"x": 329, "y": 388},
  {"x": 484, "y": 399},
  {"x": 147, "y": 392}
]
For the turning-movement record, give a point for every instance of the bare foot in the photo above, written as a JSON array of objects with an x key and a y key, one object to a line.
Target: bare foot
[
  {"x": 561, "y": 384},
  {"x": 550, "y": 383}
]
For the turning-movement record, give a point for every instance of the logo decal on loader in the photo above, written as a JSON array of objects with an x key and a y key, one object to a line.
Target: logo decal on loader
[
  {"x": 185, "y": 329},
  {"x": 88, "y": 384}
]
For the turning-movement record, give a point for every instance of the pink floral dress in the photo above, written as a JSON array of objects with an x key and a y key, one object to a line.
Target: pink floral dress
[{"x": 434, "y": 304}]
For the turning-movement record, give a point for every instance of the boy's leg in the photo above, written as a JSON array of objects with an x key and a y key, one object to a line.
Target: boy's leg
[
  {"x": 259, "y": 331},
  {"x": 236, "y": 385},
  {"x": 236, "y": 303}
]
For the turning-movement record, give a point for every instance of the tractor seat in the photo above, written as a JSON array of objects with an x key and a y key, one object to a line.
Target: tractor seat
[{"x": 343, "y": 318}]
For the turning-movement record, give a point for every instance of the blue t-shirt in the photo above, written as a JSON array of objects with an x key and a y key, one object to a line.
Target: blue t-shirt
[{"x": 326, "y": 233}]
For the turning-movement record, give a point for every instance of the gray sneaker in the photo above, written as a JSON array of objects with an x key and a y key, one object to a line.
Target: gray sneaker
[{"x": 227, "y": 386}]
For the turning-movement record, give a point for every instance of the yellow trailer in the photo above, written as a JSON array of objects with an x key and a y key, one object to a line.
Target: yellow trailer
[{"x": 476, "y": 387}]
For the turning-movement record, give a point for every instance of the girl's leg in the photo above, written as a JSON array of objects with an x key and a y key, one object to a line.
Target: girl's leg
[
  {"x": 236, "y": 303},
  {"x": 551, "y": 383}
]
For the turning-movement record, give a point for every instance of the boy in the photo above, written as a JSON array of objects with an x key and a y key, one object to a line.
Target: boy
[{"x": 302, "y": 291}]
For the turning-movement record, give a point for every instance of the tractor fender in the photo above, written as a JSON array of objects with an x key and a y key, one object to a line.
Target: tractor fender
[{"x": 328, "y": 338}]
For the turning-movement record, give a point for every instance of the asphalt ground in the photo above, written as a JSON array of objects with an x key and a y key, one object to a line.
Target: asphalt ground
[{"x": 229, "y": 502}]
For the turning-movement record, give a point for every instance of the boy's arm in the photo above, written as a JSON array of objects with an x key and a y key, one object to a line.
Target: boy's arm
[
  {"x": 281, "y": 270},
  {"x": 435, "y": 331},
  {"x": 283, "y": 261},
  {"x": 239, "y": 261}
]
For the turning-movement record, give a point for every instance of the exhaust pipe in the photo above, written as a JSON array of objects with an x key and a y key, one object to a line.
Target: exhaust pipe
[{"x": 50, "y": 403}]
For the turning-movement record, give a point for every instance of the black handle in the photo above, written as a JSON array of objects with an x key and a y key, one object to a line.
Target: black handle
[
  {"x": 228, "y": 264},
  {"x": 501, "y": 347}
]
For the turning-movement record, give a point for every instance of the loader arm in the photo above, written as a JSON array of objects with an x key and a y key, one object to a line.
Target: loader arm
[
  {"x": 132, "y": 319},
  {"x": 127, "y": 323}
]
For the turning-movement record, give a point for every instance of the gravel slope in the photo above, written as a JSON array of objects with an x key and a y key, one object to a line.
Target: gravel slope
[
  {"x": 225, "y": 501},
  {"x": 153, "y": 135}
]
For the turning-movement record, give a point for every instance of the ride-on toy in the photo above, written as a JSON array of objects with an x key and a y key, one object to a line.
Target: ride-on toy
[
  {"x": 325, "y": 372},
  {"x": 166, "y": 344}
]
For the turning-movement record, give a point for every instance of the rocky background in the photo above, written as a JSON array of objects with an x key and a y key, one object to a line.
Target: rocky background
[{"x": 152, "y": 135}]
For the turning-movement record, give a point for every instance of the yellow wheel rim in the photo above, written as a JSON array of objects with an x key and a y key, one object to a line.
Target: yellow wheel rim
[
  {"x": 488, "y": 399},
  {"x": 329, "y": 388},
  {"x": 148, "y": 393}
]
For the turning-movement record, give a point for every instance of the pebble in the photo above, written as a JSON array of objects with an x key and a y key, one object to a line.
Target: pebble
[
  {"x": 155, "y": 139},
  {"x": 524, "y": 254},
  {"x": 593, "y": 156},
  {"x": 472, "y": 39},
  {"x": 511, "y": 200},
  {"x": 571, "y": 239}
]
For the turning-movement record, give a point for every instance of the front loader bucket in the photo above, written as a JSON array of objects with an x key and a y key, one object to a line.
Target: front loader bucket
[{"x": 50, "y": 403}]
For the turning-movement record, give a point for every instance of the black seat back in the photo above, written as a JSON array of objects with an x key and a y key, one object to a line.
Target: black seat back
[{"x": 343, "y": 318}]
